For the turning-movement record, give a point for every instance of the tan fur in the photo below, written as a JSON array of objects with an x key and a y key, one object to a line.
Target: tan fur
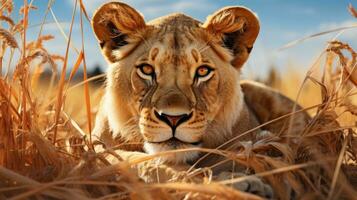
[{"x": 176, "y": 45}]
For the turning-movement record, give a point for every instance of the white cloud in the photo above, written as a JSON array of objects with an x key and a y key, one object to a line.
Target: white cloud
[
  {"x": 333, "y": 25},
  {"x": 347, "y": 34}
]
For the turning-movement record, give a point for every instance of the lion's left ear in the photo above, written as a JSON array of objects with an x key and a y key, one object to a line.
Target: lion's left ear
[{"x": 238, "y": 27}]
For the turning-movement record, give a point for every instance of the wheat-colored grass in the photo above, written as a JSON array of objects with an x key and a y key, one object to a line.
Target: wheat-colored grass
[{"x": 46, "y": 149}]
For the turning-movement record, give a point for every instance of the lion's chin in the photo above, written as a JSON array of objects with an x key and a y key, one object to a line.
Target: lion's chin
[{"x": 179, "y": 157}]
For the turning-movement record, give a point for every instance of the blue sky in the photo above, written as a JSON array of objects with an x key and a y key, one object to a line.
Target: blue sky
[{"x": 282, "y": 21}]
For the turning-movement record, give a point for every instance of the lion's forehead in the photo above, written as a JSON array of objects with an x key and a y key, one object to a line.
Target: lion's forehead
[
  {"x": 174, "y": 20},
  {"x": 177, "y": 43},
  {"x": 175, "y": 36}
]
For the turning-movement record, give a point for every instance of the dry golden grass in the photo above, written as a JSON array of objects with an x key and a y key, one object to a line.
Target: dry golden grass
[{"x": 46, "y": 149}]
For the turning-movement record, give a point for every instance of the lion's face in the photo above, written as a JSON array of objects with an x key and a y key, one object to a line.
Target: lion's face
[
  {"x": 177, "y": 86},
  {"x": 173, "y": 83}
]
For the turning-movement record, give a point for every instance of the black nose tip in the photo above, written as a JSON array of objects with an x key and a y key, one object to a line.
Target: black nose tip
[{"x": 173, "y": 120}]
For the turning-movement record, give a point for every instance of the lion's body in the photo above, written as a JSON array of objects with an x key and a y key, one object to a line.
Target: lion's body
[{"x": 174, "y": 83}]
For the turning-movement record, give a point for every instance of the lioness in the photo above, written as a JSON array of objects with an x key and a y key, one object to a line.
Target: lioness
[{"x": 174, "y": 83}]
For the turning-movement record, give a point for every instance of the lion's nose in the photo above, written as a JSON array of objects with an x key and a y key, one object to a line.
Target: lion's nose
[{"x": 173, "y": 120}]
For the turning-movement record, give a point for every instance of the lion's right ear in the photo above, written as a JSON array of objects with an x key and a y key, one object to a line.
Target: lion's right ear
[
  {"x": 113, "y": 23},
  {"x": 239, "y": 27}
]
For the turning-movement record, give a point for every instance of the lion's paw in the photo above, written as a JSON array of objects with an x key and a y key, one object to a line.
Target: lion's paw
[{"x": 253, "y": 184}]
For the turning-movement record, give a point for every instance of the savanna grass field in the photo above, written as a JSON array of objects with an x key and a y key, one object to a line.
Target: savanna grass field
[{"x": 47, "y": 115}]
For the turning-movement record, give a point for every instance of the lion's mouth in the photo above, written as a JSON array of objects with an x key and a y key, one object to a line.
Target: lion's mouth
[{"x": 176, "y": 142}]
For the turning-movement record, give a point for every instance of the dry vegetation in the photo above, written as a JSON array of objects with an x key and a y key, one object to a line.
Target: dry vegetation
[{"x": 47, "y": 153}]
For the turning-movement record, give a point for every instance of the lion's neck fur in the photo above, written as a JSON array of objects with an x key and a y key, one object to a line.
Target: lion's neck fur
[{"x": 234, "y": 121}]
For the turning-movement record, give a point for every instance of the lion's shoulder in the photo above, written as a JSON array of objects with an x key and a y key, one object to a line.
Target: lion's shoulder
[{"x": 269, "y": 104}]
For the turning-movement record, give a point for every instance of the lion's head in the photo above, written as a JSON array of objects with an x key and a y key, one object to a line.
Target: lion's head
[{"x": 173, "y": 82}]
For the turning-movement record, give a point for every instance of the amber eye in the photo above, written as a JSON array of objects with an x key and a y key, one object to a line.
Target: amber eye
[
  {"x": 146, "y": 69},
  {"x": 203, "y": 71}
]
